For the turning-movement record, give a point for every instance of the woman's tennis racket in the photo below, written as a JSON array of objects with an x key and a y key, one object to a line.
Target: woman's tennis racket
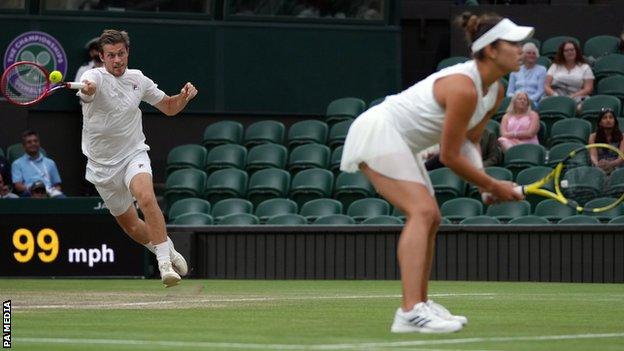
[
  {"x": 574, "y": 182},
  {"x": 26, "y": 83}
]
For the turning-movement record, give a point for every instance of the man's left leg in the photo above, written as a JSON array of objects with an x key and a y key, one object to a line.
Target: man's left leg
[{"x": 142, "y": 189}]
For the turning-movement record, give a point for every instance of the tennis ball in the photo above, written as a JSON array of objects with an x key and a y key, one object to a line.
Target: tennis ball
[{"x": 56, "y": 76}]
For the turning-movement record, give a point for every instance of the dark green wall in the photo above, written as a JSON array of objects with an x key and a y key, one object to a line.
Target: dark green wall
[{"x": 242, "y": 67}]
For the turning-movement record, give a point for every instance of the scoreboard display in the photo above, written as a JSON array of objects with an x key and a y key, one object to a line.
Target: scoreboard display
[{"x": 65, "y": 243}]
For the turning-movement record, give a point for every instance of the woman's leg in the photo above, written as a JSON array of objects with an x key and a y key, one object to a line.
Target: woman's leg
[{"x": 416, "y": 244}]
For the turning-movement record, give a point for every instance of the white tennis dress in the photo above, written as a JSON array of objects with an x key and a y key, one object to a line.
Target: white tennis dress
[{"x": 389, "y": 136}]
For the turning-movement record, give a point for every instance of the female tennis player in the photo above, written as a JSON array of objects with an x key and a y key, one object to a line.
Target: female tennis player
[{"x": 450, "y": 107}]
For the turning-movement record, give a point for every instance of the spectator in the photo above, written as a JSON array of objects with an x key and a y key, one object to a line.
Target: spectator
[
  {"x": 38, "y": 190},
  {"x": 93, "y": 55},
  {"x": 569, "y": 75},
  {"x": 5, "y": 190},
  {"x": 33, "y": 166},
  {"x": 490, "y": 152},
  {"x": 531, "y": 76},
  {"x": 5, "y": 170},
  {"x": 520, "y": 124},
  {"x": 607, "y": 132}
]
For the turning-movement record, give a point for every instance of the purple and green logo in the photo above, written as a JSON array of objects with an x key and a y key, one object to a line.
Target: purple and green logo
[{"x": 38, "y": 47}]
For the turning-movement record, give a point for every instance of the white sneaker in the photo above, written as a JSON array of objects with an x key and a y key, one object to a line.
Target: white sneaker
[
  {"x": 168, "y": 276},
  {"x": 443, "y": 313},
  {"x": 422, "y": 319},
  {"x": 178, "y": 262}
]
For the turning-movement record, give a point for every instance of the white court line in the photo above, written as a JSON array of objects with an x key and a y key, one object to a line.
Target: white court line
[
  {"x": 359, "y": 346},
  {"x": 222, "y": 300}
]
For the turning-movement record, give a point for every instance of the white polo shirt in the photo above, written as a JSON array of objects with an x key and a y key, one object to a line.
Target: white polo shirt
[{"x": 112, "y": 121}]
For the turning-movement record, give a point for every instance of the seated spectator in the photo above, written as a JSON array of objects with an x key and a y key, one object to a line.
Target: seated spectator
[
  {"x": 531, "y": 76},
  {"x": 5, "y": 190},
  {"x": 490, "y": 152},
  {"x": 520, "y": 124},
  {"x": 93, "y": 58},
  {"x": 607, "y": 132},
  {"x": 569, "y": 75},
  {"x": 33, "y": 166},
  {"x": 5, "y": 170}
]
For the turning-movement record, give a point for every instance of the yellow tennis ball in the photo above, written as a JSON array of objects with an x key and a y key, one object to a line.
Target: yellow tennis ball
[{"x": 56, "y": 76}]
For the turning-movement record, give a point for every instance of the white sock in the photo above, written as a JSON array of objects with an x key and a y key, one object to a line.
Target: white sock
[
  {"x": 150, "y": 247},
  {"x": 162, "y": 252},
  {"x": 172, "y": 248}
]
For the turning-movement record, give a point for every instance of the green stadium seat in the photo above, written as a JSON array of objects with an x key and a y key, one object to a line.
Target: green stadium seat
[
  {"x": 184, "y": 183},
  {"x": 593, "y": 105},
  {"x": 523, "y": 156},
  {"x": 189, "y": 205},
  {"x": 608, "y": 65},
  {"x": 223, "y": 132},
  {"x": 617, "y": 220},
  {"x": 376, "y": 102},
  {"x": 505, "y": 82},
  {"x": 396, "y": 212},
  {"x": 239, "y": 219},
  {"x": 287, "y": 219},
  {"x": 482, "y": 220},
  {"x": 186, "y": 156},
  {"x": 446, "y": 184},
  {"x": 544, "y": 61},
  {"x": 601, "y": 45},
  {"x": 307, "y": 132},
  {"x": 314, "y": 209},
  {"x": 604, "y": 216},
  {"x": 226, "y": 156},
  {"x": 550, "y": 45},
  {"x": 570, "y": 130},
  {"x": 230, "y": 206},
  {"x": 499, "y": 173},
  {"x": 502, "y": 109},
  {"x": 308, "y": 156},
  {"x": 363, "y": 209},
  {"x": 334, "y": 162},
  {"x": 193, "y": 218},
  {"x": 542, "y": 133},
  {"x": 531, "y": 175},
  {"x": 553, "y": 210},
  {"x": 445, "y": 220},
  {"x": 579, "y": 219},
  {"x": 530, "y": 220},
  {"x": 311, "y": 184},
  {"x": 494, "y": 127},
  {"x": 555, "y": 108},
  {"x": 226, "y": 183},
  {"x": 350, "y": 187},
  {"x": 455, "y": 210},
  {"x": 264, "y": 132},
  {"x": 16, "y": 151},
  {"x": 267, "y": 184},
  {"x": 560, "y": 151},
  {"x": 506, "y": 211},
  {"x": 451, "y": 61},
  {"x": 338, "y": 134},
  {"x": 584, "y": 183},
  {"x": 335, "y": 219},
  {"x": 266, "y": 156},
  {"x": 274, "y": 207},
  {"x": 613, "y": 86},
  {"x": 615, "y": 183},
  {"x": 387, "y": 220},
  {"x": 344, "y": 109}
]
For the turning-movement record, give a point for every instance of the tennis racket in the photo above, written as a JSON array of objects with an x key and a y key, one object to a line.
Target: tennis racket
[
  {"x": 574, "y": 182},
  {"x": 26, "y": 83}
]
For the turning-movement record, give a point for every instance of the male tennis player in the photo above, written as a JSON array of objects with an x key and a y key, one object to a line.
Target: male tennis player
[{"x": 114, "y": 143}]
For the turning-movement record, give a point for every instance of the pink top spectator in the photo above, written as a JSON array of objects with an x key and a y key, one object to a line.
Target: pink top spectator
[{"x": 520, "y": 124}]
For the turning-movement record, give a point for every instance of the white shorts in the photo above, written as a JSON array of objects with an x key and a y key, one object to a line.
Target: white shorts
[{"x": 113, "y": 183}]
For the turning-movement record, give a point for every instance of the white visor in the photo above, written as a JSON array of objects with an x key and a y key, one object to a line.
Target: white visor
[{"x": 503, "y": 30}]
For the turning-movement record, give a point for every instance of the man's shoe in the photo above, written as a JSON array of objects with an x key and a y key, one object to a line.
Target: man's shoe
[
  {"x": 168, "y": 276},
  {"x": 421, "y": 319}
]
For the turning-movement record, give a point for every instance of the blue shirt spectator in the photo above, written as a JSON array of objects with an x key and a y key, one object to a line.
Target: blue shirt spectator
[
  {"x": 33, "y": 166},
  {"x": 531, "y": 76}
]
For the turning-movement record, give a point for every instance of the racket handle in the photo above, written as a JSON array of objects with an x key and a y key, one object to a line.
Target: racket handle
[
  {"x": 486, "y": 197},
  {"x": 74, "y": 85}
]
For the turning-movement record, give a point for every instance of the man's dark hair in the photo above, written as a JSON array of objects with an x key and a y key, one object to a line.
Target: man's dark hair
[
  {"x": 28, "y": 133},
  {"x": 113, "y": 36}
]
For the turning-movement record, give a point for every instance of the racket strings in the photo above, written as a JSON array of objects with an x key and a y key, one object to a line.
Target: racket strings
[{"x": 24, "y": 84}]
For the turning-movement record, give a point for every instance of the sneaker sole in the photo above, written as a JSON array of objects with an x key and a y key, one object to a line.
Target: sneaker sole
[
  {"x": 408, "y": 329},
  {"x": 170, "y": 281}
]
